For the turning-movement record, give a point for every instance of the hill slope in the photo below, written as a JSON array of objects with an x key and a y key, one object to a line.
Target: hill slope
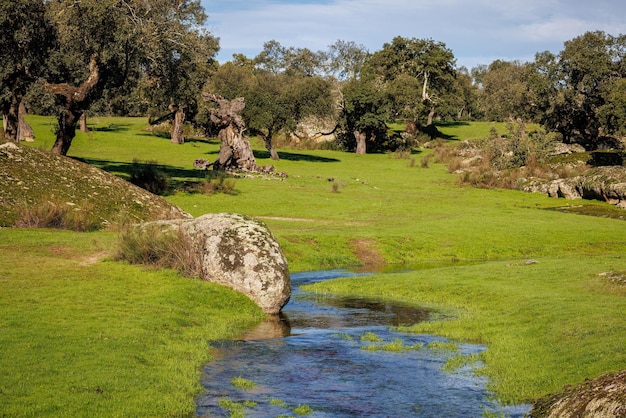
[{"x": 35, "y": 183}]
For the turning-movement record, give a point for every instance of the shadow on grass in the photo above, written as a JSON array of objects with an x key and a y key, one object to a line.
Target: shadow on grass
[
  {"x": 166, "y": 135},
  {"x": 292, "y": 156},
  {"x": 179, "y": 179},
  {"x": 111, "y": 128}
]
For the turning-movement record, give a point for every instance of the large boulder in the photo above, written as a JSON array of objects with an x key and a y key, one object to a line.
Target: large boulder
[{"x": 242, "y": 254}]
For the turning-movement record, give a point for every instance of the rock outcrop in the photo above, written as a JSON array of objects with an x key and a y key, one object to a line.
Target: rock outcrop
[
  {"x": 602, "y": 183},
  {"x": 242, "y": 254},
  {"x": 603, "y": 397}
]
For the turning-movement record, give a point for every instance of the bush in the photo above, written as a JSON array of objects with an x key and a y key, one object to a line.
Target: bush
[
  {"x": 158, "y": 246},
  {"x": 219, "y": 184},
  {"x": 58, "y": 215},
  {"x": 150, "y": 176}
]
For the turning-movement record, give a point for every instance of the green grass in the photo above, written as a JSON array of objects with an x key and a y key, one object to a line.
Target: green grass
[
  {"x": 476, "y": 130},
  {"x": 545, "y": 325},
  {"x": 85, "y": 337}
]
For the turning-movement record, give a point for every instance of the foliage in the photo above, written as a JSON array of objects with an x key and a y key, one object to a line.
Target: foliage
[
  {"x": 363, "y": 115},
  {"x": 26, "y": 36},
  {"x": 576, "y": 87},
  {"x": 504, "y": 91},
  {"x": 221, "y": 183},
  {"x": 151, "y": 52},
  {"x": 426, "y": 64},
  {"x": 275, "y": 102},
  {"x": 149, "y": 175},
  {"x": 59, "y": 215}
]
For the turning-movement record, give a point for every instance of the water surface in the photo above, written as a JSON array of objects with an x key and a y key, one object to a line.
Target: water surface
[{"x": 313, "y": 355}]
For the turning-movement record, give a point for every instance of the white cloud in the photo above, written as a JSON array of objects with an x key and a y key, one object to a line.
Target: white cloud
[{"x": 504, "y": 29}]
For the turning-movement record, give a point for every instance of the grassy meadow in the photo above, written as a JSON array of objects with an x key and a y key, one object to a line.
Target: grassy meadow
[{"x": 128, "y": 339}]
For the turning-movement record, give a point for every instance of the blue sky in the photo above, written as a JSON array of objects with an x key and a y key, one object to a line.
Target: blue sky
[{"x": 477, "y": 31}]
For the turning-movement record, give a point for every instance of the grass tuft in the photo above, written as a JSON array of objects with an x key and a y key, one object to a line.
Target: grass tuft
[{"x": 158, "y": 246}]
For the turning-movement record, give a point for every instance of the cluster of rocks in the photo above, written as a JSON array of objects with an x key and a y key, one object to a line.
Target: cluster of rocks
[
  {"x": 202, "y": 164},
  {"x": 601, "y": 183}
]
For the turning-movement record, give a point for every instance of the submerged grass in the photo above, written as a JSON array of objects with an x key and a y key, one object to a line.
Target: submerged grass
[{"x": 545, "y": 325}]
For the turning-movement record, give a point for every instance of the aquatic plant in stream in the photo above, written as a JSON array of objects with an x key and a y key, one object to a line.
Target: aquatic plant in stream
[
  {"x": 241, "y": 383},
  {"x": 443, "y": 346},
  {"x": 371, "y": 337},
  {"x": 303, "y": 410},
  {"x": 397, "y": 345},
  {"x": 236, "y": 409}
]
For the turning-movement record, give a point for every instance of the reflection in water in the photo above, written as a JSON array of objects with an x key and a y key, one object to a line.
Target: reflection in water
[{"x": 313, "y": 355}]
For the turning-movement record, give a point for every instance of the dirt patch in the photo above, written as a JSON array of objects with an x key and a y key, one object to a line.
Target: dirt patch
[
  {"x": 365, "y": 250},
  {"x": 93, "y": 259}
]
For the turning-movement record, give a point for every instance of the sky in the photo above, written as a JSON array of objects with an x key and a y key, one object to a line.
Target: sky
[{"x": 477, "y": 31}]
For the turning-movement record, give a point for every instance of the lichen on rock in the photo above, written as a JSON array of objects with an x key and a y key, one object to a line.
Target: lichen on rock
[{"x": 242, "y": 254}]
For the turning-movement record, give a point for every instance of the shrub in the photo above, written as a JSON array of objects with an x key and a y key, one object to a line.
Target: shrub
[
  {"x": 58, "y": 215},
  {"x": 158, "y": 246},
  {"x": 150, "y": 176},
  {"x": 219, "y": 184}
]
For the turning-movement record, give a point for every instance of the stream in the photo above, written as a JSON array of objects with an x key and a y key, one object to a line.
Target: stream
[{"x": 339, "y": 357}]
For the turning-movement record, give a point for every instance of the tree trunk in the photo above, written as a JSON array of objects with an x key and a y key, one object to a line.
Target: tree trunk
[
  {"x": 235, "y": 150},
  {"x": 83, "y": 123},
  {"x": 11, "y": 120},
  {"x": 431, "y": 115},
  {"x": 68, "y": 119},
  {"x": 24, "y": 131},
  {"x": 178, "y": 135},
  {"x": 73, "y": 102},
  {"x": 361, "y": 147},
  {"x": 268, "y": 145}
]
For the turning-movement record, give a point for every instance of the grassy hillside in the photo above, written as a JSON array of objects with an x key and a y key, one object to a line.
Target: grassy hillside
[{"x": 550, "y": 323}]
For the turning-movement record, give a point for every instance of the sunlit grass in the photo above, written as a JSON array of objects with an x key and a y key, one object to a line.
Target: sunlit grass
[
  {"x": 82, "y": 336},
  {"x": 544, "y": 325}
]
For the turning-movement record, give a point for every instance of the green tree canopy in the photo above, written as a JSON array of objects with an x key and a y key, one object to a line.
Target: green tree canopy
[
  {"x": 26, "y": 37},
  {"x": 579, "y": 91},
  {"x": 429, "y": 63},
  {"x": 84, "y": 49}
]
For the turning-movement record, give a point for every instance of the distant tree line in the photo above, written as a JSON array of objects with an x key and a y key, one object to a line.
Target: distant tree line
[{"x": 154, "y": 58}]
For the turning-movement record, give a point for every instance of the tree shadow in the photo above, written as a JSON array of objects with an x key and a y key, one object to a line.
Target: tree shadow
[
  {"x": 178, "y": 178},
  {"x": 292, "y": 156},
  {"x": 114, "y": 127},
  {"x": 166, "y": 135}
]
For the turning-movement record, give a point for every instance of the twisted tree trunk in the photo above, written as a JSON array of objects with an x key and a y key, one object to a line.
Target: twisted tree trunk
[
  {"x": 73, "y": 102},
  {"x": 177, "y": 134},
  {"x": 235, "y": 150}
]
